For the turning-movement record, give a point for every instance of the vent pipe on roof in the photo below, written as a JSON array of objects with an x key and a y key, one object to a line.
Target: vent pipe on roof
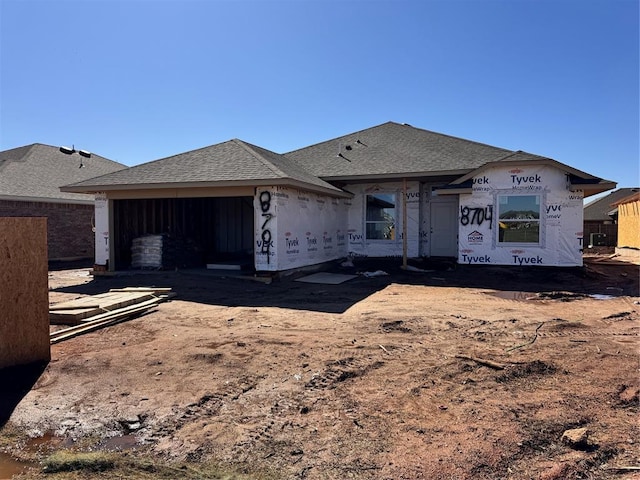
[
  {"x": 67, "y": 150},
  {"x": 83, "y": 153}
]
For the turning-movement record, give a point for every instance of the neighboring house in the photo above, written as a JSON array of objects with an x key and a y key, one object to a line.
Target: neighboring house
[
  {"x": 390, "y": 190},
  {"x": 30, "y": 181},
  {"x": 601, "y": 218},
  {"x": 628, "y": 222}
]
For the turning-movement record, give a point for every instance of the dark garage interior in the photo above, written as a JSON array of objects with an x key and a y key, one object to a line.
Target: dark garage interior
[{"x": 195, "y": 231}]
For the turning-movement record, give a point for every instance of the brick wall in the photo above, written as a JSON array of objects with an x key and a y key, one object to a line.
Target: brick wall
[
  {"x": 610, "y": 229},
  {"x": 69, "y": 226}
]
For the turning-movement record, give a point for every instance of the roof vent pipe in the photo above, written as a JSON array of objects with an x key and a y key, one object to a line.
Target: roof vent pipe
[{"x": 67, "y": 150}]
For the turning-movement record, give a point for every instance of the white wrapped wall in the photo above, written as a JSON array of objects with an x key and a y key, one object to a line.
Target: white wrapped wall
[
  {"x": 358, "y": 243},
  {"x": 295, "y": 228},
  {"x": 101, "y": 229},
  {"x": 560, "y": 237}
]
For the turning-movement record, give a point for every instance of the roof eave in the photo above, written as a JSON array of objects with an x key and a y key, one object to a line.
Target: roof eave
[
  {"x": 74, "y": 201},
  {"x": 226, "y": 184},
  {"x": 393, "y": 176},
  {"x": 453, "y": 191},
  {"x": 541, "y": 161},
  {"x": 593, "y": 188}
]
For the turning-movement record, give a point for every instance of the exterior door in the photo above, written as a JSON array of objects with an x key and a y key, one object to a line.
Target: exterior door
[{"x": 444, "y": 228}]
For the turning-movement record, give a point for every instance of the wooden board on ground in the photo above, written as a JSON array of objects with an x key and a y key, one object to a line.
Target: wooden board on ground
[{"x": 74, "y": 311}]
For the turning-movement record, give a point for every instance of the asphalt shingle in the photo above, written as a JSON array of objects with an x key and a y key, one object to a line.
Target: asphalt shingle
[
  {"x": 38, "y": 171},
  {"x": 229, "y": 162},
  {"x": 598, "y": 209},
  {"x": 394, "y": 149}
]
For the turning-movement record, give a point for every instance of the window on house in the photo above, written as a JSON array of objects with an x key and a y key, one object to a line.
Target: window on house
[
  {"x": 519, "y": 218},
  {"x": 381, "y": 216}
]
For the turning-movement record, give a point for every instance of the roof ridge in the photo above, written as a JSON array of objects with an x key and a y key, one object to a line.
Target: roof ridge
[
  {"x": 27, "y": 147},
  {"x": 459, "y": 138},
  {"x": 31, "y": 146},
  {"x": 340, "y": 137},
  {"x": 6, "y": 160},
  {"x": 250, "y": 148},
  {"x": 179, "y": 154},
  {"x": 402, "y": 125}
]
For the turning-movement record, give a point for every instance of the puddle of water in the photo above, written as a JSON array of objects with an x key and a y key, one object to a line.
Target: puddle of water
[
  {"x": 9, "y": 466},
  {"x": 521, "y": 296},
  {"x": 116, "y": 444}
]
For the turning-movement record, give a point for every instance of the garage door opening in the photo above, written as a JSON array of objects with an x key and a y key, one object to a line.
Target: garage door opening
[{"x": 194, "y": 231}]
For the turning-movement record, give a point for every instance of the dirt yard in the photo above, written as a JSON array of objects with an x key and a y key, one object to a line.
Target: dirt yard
[{"x": 455, "y": 373}]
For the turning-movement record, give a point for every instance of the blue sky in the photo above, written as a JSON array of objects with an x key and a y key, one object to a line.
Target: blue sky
[{"x": 135, "y": 81}]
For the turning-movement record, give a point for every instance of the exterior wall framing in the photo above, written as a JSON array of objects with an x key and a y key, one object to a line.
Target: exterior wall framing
[{"x": 629, "y": 223}]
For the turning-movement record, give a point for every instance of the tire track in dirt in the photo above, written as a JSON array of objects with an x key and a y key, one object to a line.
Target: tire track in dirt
[{"x": 207, "y": 406}]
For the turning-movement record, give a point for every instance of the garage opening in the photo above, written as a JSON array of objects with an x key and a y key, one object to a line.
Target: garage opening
[{"x": 194, "y": 231}]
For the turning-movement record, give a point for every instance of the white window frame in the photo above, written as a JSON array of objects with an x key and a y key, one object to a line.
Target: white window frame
[
  {"x": 502, "y": 222},
  {"x": 393, "y": 234}
]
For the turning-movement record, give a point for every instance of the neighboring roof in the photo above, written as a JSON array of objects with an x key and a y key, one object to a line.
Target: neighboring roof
[
  {"x": 231, "y": 163},
  {"x": 394, "y": 150},
  {"x": 602, "y": 208},
  {"x": 36, "y": 172},
  {"x": 634, "y": 197}
]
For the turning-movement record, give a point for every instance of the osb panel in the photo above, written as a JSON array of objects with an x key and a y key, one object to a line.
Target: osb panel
[
  {"x": 629, "y": 225},
  {"x": 24, "y": 292}
]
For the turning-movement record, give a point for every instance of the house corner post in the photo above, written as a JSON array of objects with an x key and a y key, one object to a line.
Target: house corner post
[
  {"x": 102, "y": 237},
  {"x": 404, "y": 223}
]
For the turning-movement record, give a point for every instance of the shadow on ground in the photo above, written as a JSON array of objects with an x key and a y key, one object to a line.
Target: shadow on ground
[
  {"x": 204, "y": 286},
  {"x": 16, "y": 382}
]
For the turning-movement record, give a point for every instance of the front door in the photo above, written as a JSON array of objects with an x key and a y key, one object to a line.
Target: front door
[{"x": 444, "y": 228}]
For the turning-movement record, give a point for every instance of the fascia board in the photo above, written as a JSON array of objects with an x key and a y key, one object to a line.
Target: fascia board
[
  {"x": 392, "y": 176},
  {"x": 228, "y": 184},
  {"x": 593, "y": 188},
  {"x": 452, "y": 191},
  {"x": 14, "y": 198}
]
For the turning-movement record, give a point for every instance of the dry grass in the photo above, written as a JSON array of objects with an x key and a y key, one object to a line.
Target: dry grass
[{"x": 74, "y": 465}]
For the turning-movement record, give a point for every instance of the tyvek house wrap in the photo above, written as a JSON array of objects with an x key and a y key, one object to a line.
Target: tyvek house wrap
[
  {"x": 359, "y": 245},
  {"x": 101, "y": 230},
  {"x": 295, "y": 228},
  {"x": 559, "y": 210}
]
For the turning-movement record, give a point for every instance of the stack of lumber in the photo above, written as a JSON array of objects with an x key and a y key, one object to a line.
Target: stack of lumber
[{"x": 97, "y": 311}]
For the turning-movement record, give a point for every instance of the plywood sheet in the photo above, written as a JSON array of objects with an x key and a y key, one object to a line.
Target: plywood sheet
[
  {"x": 74, "y": 311},
  {"x": 24, "y": 291}
]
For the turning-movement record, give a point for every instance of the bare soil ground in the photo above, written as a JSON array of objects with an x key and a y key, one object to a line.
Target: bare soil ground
[{"x": 457, "y": 373}]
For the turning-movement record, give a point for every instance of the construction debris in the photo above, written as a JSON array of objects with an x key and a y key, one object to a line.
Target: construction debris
[
  {"x": 97, "y": 311},
  {"x": 75, "y": 311}
]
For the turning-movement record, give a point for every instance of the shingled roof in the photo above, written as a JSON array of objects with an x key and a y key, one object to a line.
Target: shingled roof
[
  {"x": 231, "y": 163},
  {"x": 394, "y": 150},
  {"x": 36, "y": 172},
  {"x": 388, "y": 151},
  {"x": 601, "y": 208}
]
